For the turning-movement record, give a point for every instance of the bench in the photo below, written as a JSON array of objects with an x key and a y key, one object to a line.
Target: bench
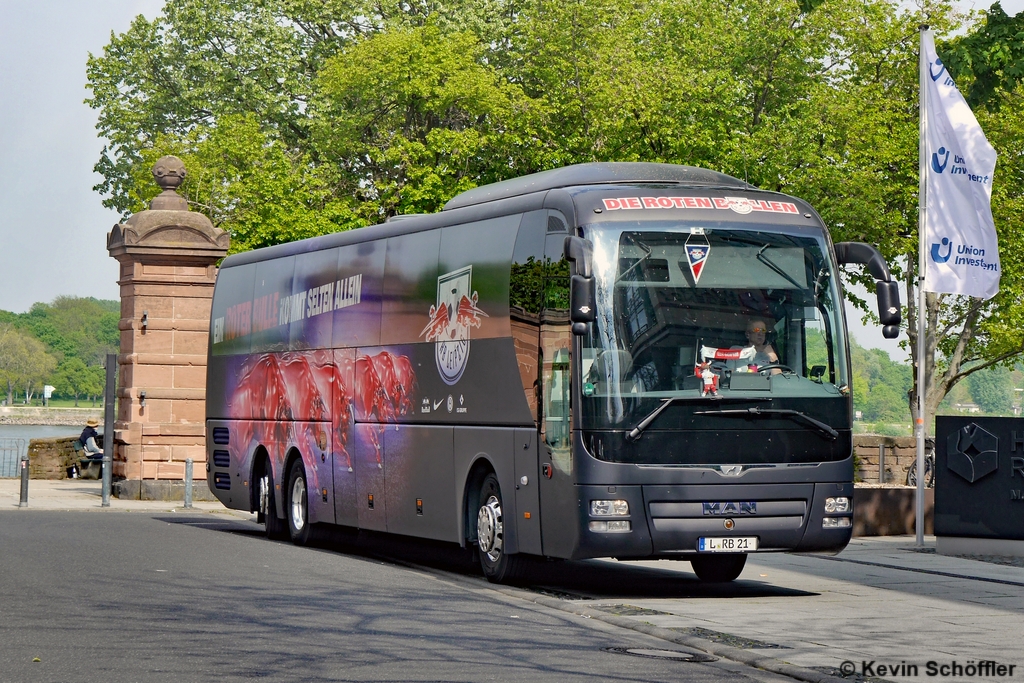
[{"x": 88, "y": 467}]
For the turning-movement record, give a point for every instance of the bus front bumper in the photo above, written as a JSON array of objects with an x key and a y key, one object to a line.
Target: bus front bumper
[{"x": 669, "y": 521}]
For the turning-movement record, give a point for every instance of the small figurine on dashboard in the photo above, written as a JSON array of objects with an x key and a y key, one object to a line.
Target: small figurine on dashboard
[{"x": 709, "y": 380}]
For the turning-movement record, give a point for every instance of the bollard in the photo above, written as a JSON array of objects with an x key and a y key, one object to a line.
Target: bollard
[
  {"x": 188, "y": 482},
  {"x": 881, "y": 463},
  {"x": 24, "y": 482}
]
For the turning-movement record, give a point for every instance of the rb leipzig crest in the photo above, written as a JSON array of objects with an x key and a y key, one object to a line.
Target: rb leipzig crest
[
  {"x": 697, "y": 250},
  {"x": 451, "y": 320}
]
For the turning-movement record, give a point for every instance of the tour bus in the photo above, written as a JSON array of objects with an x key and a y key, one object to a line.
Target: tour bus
[{"x": 556, "y": 366}]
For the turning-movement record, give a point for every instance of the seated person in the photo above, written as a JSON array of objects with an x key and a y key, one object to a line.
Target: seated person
[
  {"x": 756, "y": 354},
  {"x": 757, "y": 336},
  {"x": 88, "y": 439}
]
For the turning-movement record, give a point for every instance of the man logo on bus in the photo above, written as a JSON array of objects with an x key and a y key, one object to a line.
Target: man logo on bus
[{"x": 451, "y": 319}]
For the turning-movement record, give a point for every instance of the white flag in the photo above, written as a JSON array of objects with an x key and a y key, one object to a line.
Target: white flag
[{"x": 960, "y": 236}]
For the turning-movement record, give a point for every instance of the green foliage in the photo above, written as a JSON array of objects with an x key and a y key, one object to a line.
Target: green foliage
[
  {"x": 83, "y": 328},
  {"x": 880, "y": 386},
  {"x": 63, "y": 343},
  {"x": 298, "y": 118},
  {"x": 990, "y": 58},
  {"x": 992, "y": 391},
  {"x": 247, "y": 182},
  {"x": 412, "y": 117},
  {"x": 24, "y": 363}
]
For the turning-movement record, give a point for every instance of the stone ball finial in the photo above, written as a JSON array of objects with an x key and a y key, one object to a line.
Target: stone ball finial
[{"x": 169, "y": 172}]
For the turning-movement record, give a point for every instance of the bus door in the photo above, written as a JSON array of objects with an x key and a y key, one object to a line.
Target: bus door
[{"x": 559, "y": 517}]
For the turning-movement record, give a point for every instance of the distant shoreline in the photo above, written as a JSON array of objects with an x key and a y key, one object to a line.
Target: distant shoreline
[{"x": 57, "y": 417}]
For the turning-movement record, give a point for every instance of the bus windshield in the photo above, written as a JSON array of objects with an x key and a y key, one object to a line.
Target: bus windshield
[{"x": 692, "y": 312}]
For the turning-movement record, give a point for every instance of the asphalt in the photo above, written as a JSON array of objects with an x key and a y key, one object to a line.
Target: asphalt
[{"x": 883, "y": 600}]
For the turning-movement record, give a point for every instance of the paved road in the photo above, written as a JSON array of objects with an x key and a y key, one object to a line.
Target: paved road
[
  {"x": 171, "y": 596},
  {"x": 202, "y": 593}
]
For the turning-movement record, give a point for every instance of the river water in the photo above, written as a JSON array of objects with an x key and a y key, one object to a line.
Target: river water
[{"x": 14, "y": 442}]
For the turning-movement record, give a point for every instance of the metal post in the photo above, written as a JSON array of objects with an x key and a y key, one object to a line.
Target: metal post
[
  {"x": 188, "y": 482},
  {"x": 881, "y": 463},
  {"x": 922, "y": 299},
  {"x": 108, "y": 426},
  {"x": 24, "y": 482}
]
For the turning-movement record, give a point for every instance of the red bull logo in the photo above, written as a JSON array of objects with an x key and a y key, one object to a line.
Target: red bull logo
[{"x": 451, "y": 320}]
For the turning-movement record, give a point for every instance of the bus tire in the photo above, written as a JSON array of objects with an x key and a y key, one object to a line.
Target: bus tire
[
  {"x": 718, "y": 568},
  {"x": 297, "y": 505},
  {"x": 497, "y": 565},
  {"x": 274, "y": 525}
]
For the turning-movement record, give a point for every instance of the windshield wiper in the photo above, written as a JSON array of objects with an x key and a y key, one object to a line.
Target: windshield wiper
[
  {"x": 648, "y": 251},
  {"x": 804, "y": 417},
  {"x": 634, "y": 433},
  {"x": 771, "y": 264}
]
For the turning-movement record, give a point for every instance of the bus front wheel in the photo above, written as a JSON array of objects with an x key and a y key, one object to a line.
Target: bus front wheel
[
  {"x": 718, "y": 568},
  {"x": 498, "y": 566},
  {"x": 299, "y": 527}
]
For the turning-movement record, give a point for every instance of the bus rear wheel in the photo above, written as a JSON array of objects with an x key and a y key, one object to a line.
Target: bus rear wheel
[
  {"x": 497, "y": 565},
  {"x": 275, "y": 526},
  {"x": 718, "y": 568},
  {"x": 297, "y": 506}
]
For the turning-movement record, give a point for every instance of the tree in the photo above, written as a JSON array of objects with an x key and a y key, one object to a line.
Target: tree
[
  {"x": 992, "y": 390},
  {"x": 95, "y": 381},
  {"x": 24, "y": 363},
  {"x": 71, "y": 378},
  {"x": 84, "y": 328},
  {"x": 412, "y": 117},
  {"x": 299, "y": 118}
]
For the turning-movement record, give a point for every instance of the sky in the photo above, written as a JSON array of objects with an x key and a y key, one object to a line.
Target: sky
[{"x": 54, "y": 225}]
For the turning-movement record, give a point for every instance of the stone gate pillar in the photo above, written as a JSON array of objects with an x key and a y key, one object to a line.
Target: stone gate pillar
[{"x": 168, "y": 258}]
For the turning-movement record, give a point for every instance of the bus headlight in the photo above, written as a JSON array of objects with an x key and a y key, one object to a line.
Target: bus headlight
[
  {"x": 833, "y": 523},
  {"x": 609, "y": 508},
  {"x": 617, "y": 526},
  {"x": 840, "y": 504}
]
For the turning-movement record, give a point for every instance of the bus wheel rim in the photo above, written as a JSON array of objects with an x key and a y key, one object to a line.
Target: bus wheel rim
[
  {"x": 489, "y": 529},
  {"x": 299, "y": 504}
]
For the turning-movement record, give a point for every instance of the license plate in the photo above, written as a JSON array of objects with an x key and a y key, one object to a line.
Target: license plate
[{"x": 729, "y": 544}]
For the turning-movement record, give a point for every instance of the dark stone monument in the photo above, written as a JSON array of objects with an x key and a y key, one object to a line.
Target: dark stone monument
[{"x": 979, "y": 485}]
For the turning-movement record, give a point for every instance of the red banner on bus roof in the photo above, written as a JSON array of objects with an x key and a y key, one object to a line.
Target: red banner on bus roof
[{"x": 740, "y": 205}]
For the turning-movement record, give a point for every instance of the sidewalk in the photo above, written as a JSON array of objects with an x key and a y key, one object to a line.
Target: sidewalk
[
  {"x": 87, "y": 495},
  {"x": 882, "y": 599}
]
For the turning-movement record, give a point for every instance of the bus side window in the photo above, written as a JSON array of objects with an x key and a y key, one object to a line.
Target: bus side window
[
  {"x": 556, "y": 399},
  {"x": 556, "y": 342},
  {"x": 526, "y": 296}
]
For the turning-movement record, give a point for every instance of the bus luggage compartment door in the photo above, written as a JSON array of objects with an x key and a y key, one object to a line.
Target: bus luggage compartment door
[
  {"x": 369, "y": 463},
  {"x": 527, "y": 491},
  {"x": 418, "y": 481}
]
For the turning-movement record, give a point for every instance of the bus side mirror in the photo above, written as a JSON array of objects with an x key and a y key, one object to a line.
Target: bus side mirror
[
  {"x": 888, "y": 295},
  {"x": 582, "y": 302},
  {"x": 887, "y": 291}
]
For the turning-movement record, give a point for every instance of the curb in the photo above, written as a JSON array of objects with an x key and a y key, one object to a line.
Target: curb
[{"x": 735, "y": 654}]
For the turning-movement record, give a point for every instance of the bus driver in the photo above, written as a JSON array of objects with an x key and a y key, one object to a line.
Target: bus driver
[{"x": 757, "y": 336}]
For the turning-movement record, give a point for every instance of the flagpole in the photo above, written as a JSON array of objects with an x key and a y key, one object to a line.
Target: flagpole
[{"x": 922, "y": 160}]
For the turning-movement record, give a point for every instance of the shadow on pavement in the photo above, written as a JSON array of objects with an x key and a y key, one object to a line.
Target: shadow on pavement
[{"x": 572, "y": 580}]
